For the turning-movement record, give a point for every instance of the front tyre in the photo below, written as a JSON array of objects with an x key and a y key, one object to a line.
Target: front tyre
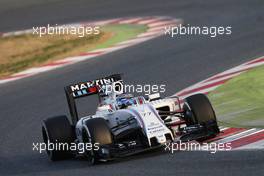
[
  {"x": 97, "y": 133},
  {"x": 198, "y": 110}
]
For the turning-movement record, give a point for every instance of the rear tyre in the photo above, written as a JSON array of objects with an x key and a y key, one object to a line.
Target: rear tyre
[
  {"x": 58, "y": 130},
  {"x": 97, "y": 132}
]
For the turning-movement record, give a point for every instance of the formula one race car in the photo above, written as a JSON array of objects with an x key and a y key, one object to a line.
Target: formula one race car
[{"x": 124, "y": 125}]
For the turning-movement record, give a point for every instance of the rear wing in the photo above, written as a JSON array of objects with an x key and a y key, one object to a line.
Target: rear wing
[{"x": 83, "y": 89}]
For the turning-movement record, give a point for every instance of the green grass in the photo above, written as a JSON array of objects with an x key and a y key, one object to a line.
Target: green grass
[
  {"x": 121, "y": 33},
  {"x": 240, "y": 101}
]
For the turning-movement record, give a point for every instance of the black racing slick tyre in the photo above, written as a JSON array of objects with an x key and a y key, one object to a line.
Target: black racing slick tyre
[
  {"x": 57, "y": 131},
  {"x": 96, "y": 132},
  {"x": 199, "y": 111}
]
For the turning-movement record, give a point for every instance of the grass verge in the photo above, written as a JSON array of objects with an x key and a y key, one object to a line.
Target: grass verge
[
  {"x": 24, "y": 51},
  {"x": 240, "y": 101}
]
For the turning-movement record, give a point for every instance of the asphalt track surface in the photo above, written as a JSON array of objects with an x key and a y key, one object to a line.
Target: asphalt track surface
[{"x": 177, "y": 62}]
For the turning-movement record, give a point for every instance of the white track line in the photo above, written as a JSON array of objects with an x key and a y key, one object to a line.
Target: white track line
[
  {"x": 204, "y": 91},
  {"x": 130, "y": 20},
  {"x": 223, "y": 128},
  {"x": 238, "y": 135},
  {"x": 254, "y": 145},
  {"x": 257, "y": 131},
  {"x": 148, "y": 21}
]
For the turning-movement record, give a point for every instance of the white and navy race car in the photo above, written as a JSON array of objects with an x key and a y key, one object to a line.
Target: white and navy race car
[{"x": 124, "y": 124}]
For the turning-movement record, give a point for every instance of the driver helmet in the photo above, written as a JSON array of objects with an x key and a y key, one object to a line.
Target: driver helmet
[{"x": 125, "y": 100}]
